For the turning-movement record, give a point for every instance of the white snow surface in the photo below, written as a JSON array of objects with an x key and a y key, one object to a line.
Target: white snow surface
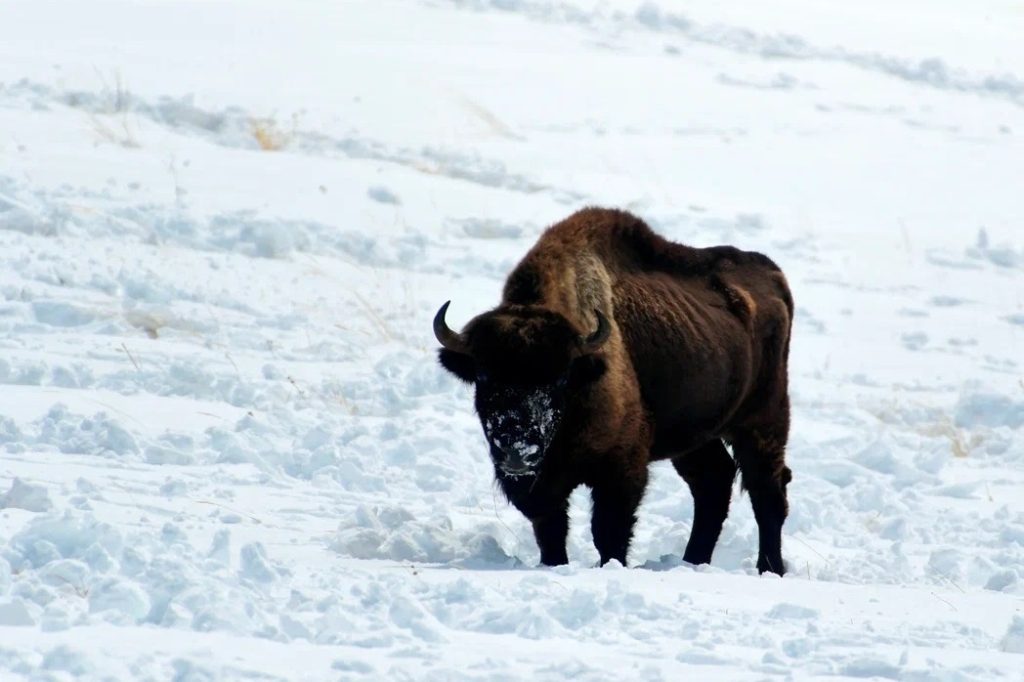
[{"x": 227, "y": 450}]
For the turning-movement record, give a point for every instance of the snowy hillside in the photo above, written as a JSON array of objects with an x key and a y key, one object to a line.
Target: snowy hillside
[{"x": 227, "y": 450}]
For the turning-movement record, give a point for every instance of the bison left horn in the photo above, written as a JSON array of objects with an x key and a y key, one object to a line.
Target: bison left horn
[
  {"x": 593, "y": 342},
  {"x": 445, "y": 336}
]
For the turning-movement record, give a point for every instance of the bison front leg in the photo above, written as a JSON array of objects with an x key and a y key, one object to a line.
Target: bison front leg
[
  {"x": 551, "y": 530},
  {"x": 761, "y": 458},
  {"x": 709, "y": 472},
  {"x": 615, "y": 503}
]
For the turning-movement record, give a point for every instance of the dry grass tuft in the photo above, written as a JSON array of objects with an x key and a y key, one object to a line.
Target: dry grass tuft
[
  {"x": 957, "y": 443},
  {"x": 120, "y": 133},
  {"x": 942, "y": 425},
  {"x": 111, "y": 122},
  {"x": 493, "y": 124},
  {"x": 268, "y": 134}
]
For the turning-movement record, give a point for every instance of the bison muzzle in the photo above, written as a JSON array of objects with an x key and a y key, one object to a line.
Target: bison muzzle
[{"x": 613, "y": 347}]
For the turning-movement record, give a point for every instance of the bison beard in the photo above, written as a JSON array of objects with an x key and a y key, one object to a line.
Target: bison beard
[{"x": 613, "y": 347}]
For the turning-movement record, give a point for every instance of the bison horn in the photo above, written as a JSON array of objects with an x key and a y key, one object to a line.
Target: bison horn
[
  {"x": 445, "y": 336},
  {"x": 596, "y": 340}
]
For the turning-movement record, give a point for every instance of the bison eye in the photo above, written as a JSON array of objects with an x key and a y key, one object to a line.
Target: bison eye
[{"x": 586, "y": 369}]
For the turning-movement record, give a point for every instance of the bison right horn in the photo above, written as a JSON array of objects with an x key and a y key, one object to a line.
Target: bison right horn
[
  {"x": 445, "y": 336},
  {"x": 593, "y": 342}
]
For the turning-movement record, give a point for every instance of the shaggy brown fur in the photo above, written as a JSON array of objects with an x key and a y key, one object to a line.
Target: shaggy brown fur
[{"x": 695, "y": 357}]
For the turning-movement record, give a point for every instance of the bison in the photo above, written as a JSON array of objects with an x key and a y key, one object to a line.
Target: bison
[{"x": 613, "y": 347}]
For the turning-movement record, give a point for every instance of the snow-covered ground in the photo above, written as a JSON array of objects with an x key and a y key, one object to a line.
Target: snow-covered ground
[{"x": 227, "y": 451}]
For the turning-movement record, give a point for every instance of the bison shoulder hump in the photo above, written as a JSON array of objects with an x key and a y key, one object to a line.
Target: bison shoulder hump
[{"x": 523, "y": 286}]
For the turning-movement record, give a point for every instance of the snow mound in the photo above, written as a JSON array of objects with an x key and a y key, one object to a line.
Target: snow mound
[
  {"x": 1013, "y": 640},
  {"x": 989, "y": 409},
  {"x": 395, "y": 533},
  {"x": 28, "y": 496}
]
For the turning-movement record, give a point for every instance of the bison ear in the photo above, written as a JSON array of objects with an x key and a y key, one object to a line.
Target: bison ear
[
  {"x": 586, "y": 369},
  {"x": 459, "y": 364}
]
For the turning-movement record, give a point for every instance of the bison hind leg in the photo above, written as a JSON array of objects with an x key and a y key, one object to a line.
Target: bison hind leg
[
  {"x": 709, "y": 472},
  {"x": 761, "y": 458}
]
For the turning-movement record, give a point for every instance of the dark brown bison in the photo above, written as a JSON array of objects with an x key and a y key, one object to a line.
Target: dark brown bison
[{"x": 614, "y": 347}]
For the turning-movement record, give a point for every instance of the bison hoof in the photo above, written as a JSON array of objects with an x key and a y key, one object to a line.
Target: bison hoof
[{"x": 776, "y": 565}]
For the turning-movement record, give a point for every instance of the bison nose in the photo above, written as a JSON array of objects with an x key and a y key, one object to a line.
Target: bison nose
[
  {"x": 512, "y": 460},
  {"x": 516, "y": 461},
  {"x": 517, "y": 471}
]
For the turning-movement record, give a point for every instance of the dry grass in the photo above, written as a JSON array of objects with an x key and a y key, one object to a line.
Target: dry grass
[
  {"x": 942, "y": 426},
  {"x": 268, "y": 134},
  {"x": 385, "y": 330},
  {"x": 116, "y": 93},
  {"x": 493, "y": 124},
  {"x": 958, "y": 444},
  {"x": 145, "y": 321},
  {"x": 113, "y": 123},
  {"x": 120, "y": 133}
]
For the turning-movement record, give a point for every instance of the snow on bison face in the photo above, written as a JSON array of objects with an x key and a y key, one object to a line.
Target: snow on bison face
[
  {"x": 525, "y": 362},
  {"x": 519, "y": 422}
]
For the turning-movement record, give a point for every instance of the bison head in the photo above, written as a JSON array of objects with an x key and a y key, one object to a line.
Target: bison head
[{"x": 527, "y": 363}]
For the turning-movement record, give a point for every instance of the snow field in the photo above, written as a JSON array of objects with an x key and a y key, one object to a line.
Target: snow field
[{"x": 227, "y": 452}]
